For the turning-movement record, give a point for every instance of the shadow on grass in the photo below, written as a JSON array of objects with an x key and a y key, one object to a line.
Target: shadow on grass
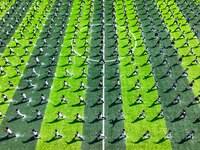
[
  {"x": 52, "y": 139},
  {"x": 76, "y": 121},
  {"x": 95, "y": 141},
  {"x": 177, "y": 119},
  {"x": 56, "y": 120},
  {"x": 137, "y": 119},
  {"x": 114, "y": 121},
  {"x": 132, "y": 89},
  {"x": 78, "y": 90},
  {"x": 29, "y": 140},
  {"x": 73, "y": 141},
  {"x": 6, "y": 138},
  {"x": 161, "y": 140},
  {"x": 95, "y": 120},
  {"x": 77, "y": 105},
  {"x": 156, "y": 118},
  {"x": 114, "y": 104},
  {"x": 135, "y": 103},
  {"x": 14, "y": 119},
  {"x": 34, "y": 119},
  {"x": 141, "y": 140},
  {"x": 116, "y": 140}
]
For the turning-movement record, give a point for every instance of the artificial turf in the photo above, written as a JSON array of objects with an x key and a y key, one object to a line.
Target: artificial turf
[
  {"x": 4, "y": 6},
  {"x": 179, "y": 41},
  {"x": 15, "y": 59},
  {"x": 136, "y": 127},
  {"x": 69, "y": 126},
  {"x": 92, "y": 125},
  {"x": 10, "y": 20},
  {"x": 26, "y": 124},
  {"x": 143, "y": 21}
]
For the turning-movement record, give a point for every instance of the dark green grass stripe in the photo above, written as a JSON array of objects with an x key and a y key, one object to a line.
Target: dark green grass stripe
[
  {"x": 190, "y": 13},
  {"x": 179, "y": 128},
  {"x": 25, "y": 125},
  {"x": 10, "y": 21},
  {"x": 91, "y": 127},
  {"x": 112, "y": 129}
]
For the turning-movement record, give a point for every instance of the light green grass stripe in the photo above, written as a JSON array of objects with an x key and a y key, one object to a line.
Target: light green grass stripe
[
  {"x": 66, "y": 127},
  {"x": 5, "y": 8},
  {"x": 15, "y": 60},
  {"x": 193, "y": 73},
  {"x": 135, "y": 130}
]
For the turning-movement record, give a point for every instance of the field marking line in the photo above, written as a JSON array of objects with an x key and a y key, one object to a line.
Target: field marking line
[
  {"x": 112, "y": 60},
  {"x": 103, "y": 142}
]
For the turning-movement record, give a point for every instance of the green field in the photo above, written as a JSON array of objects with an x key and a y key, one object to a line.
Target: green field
[{"x": 126, "y": 48}]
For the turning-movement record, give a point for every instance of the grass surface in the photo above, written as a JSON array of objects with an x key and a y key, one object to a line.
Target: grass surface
[
  {"x": 19, "y": 50},
  {"x": 69, "y": 126},
  {"x": 156, "y": 127}
]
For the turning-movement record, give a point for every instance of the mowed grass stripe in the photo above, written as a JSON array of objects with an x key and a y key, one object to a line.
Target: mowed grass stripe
[
  {"x": 15, "y": 59},
  {"x": 69, "y": 126},
  {"x": 10, "y": 20},
  {"x": 180, "y": 41},
  {"x": 182, "y": 127},
  {"x": 112, "y": 129},
  {"x": 4, "y": 7},
  {"x": 135, "y": 128},
  {"x": 91, "y": 126},
  {"x": 24, "y": 126}
]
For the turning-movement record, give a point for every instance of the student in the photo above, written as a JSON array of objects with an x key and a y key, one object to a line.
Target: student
[
  {"x": 9, "y": 133},
  {"x": 81, "y": 100},
  {"x": 38, "y": 114},
  {"x": 100, "y": 84},
  {"x": 35, "y": 134},
  {"x": 65, "y": 84},
  {"x": 67, "y": 72},
  {"x": 123, "y": 134},
  {"x": 82, "y": 85},
  {"x": 158, "y": 100},
  {"x": 77, "y": 135},
  {"x": 155, "y": 86},
  {"x": 142, "y": 114},
  {"x": 190, "y": 135},
  {"x": 19, "y": 114},
  {"x": 120, "y": 115},
  {"x": 183, "y": 114},
  {"x": 135, "y": 71},
  {"x": 43, "y": 99},
  {"x": 195, "y": 60},
  {"x": 137, "y": 84},
  {"x": 7, "y": 61},
  {"x": 10, "y": 84},
  {"x": 174, "y": 85},
  {"x": 160, "y": 114},
  {"x": 117, "y": 84},
  {"x": 70, "y": 61},
  {"x": 57, "y": 134},
  {"x": 33, "y": 72},
  {"x": 139, "y": 99},
  {"x": 63, "y": 99},
  {"x": 100, "y": 136},
  {"x": 146, "y": 135},
  {"x": 83, "y": 72},
  {"x": 5, "y": 98},
  {"x": 24, "y": 98},
  {"x": 79, "y": 118},
  {"x": 100, "y": 116},
  {"x": 2, "y": 71},
  {"x": 46, "y": 84},
  {"x": 169, "y": 134}
]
